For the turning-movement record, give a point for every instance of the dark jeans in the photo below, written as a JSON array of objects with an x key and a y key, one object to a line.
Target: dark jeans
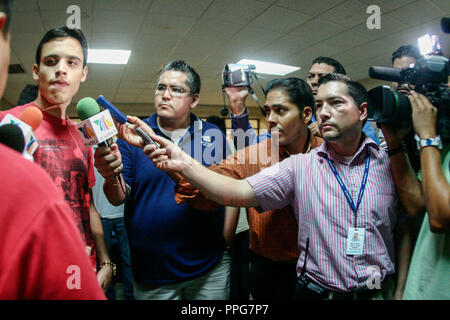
[
  {"x": 270, "y": 279},
  {"x": 118, "y": 227},
  {"x": 240, "y": 287}
]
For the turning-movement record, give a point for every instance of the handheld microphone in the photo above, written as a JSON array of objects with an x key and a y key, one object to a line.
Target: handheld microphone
[
  {"x": 96, "y": 126},
  {"x": 11, "y": 135},
  {"x": 119, "y": 116},
  {"x": 28, "y": 121}
]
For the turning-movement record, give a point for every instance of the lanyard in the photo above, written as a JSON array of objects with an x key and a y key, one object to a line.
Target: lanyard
[{"x": 344, "y": 188}]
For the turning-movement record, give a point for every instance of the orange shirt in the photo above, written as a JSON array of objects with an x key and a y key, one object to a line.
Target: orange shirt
[{"x": 273, "y": 234}]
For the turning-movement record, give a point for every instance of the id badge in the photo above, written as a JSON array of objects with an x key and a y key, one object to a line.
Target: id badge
[{"x": 355, "y": 241}]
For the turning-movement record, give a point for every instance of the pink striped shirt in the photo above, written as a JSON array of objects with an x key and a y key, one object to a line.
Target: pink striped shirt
[{"x": 306, "y": 182}]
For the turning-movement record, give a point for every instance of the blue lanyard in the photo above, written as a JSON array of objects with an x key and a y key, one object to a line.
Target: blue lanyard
[{"x": 344, "y": 188}]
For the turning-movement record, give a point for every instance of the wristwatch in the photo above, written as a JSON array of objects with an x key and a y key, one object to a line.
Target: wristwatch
[
  {"x": 433, "y": 142},
  {"x": 110, "y": 264}
]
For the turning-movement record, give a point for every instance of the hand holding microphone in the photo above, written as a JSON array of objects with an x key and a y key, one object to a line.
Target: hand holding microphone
[{"x": 136, "y": 136}]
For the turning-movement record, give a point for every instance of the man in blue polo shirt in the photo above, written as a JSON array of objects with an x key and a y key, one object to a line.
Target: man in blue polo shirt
[{"x": 176, "y": 250}]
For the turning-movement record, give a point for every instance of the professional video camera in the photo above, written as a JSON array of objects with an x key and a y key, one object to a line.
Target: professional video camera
[{"x": 429, "y": 75}]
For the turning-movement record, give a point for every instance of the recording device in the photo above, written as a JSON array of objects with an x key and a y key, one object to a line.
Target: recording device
[
  {"x": 238, "y": 75},
  {"x": 29, "y": 120},
  {"x": 121, "y": 118},
  {"x": 96, "y": 127},
  {"x": 429, "y": 75}
]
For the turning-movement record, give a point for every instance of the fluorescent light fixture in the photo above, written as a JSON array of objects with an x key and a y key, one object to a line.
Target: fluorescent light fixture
[
  {"x": 108, "y": 56},
  {"x": 269, "y": 67}
]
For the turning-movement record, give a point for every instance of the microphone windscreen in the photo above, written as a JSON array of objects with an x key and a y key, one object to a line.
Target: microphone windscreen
[
  {"x": 87, "y": 107},
  {"x": 32, "y": 116},
  {"x": 12, "y": 136}
]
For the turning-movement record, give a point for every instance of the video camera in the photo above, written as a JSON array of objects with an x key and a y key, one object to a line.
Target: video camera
[
  {"x": 429, "y": 75},
  {"x": 238, "y": 75}
]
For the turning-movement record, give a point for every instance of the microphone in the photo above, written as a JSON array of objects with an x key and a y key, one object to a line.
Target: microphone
[
  {"x": 96, "y": 126},
  {"x": 12, "y": 136},
  {"x": 383, "y": 73},
  {"x": 121, "y": 118},
  {"x": 30, "y": 119}
]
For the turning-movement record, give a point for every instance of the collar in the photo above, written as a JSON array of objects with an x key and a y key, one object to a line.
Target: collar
[
  {"x": 195, "y": 126},
  {"x": 51, "y": 118},
  {"x": 325, "y": 151},
  {"x": 284, "y": 153}
]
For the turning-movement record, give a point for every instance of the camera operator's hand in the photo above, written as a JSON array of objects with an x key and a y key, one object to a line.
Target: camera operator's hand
[
  {"x": 237, "y": 96},
  {"x": 394, "y": 135},
  {"x": 424, "y": 115}
]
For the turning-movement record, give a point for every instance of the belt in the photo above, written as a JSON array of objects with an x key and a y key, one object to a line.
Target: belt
[{"x": 308, "y": 290}]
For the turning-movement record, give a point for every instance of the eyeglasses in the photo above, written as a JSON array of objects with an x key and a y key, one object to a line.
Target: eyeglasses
[{"x": 174, "y": 91}]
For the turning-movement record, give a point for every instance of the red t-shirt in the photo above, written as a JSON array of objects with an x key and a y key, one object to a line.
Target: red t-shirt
[
  {"x": 69, "y": 163},
  {"x": 42, "y": 255}
]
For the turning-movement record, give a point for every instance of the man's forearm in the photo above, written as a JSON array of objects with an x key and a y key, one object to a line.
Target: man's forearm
[
  {"x": 436, "y": 189},
  {"x": 219, "y": 188},
  {"x": 407, "y": 185},
  {"x": 114, "y": 190}
]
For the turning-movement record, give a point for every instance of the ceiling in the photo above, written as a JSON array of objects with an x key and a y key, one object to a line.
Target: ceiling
[{"x": 207, "y": 34}]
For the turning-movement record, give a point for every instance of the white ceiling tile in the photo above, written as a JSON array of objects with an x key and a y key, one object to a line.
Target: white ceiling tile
[
  {"x": 310, "y": 7},
  {"x": 105, "y": 71},
  {"x": 27, "y": 22},
  {"x": 117, "y": 21},
  {"x": 167, "y": 25},
  {"x": 416, "y": 13},
  {"x": 234, "y": 11},
  {"x": 317, "y": 29},
  {"x": 85, "y": 5},
  {"x": 193, "y": 46},
  {"x": 121, "y": 5},
  {"x": 387, "y": 5},
  {"x": 348, "y": 14},
  {"x": 388, "y": 26},
  {"x": 155, "y": 42},
  {"x": 179, "y": 7},
  {"x": 112, "y": 41},
  {"x": 135, "y": 85},
  {"x": 211, "y": 30},
  {"x": 279, "y": 19},
  {"x": 348, "y": 39},
  {"x": 444, "y": 5}
]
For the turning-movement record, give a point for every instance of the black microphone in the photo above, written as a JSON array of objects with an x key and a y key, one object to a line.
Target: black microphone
[
  {"x": 384, "y": 73},
  {"x": 445, "y": 24},
  {"x": 12, "y": 136}
]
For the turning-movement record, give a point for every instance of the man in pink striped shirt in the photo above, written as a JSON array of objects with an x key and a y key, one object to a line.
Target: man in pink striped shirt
[{"x": 343, "y": 195}]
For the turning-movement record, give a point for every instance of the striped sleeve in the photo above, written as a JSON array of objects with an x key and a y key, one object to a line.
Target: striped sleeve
[{"x": 274, "y": 186}]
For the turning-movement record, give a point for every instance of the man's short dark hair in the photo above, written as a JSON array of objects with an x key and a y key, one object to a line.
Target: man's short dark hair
[
  {"x": 193, "y": 79},
  {"x": 218, "y": 121},
  {"x": 408, "y": 51},
  {"x": 61, "y": 32},
  {"x": 338, "y": 68},
  {"x": 298, "y": 90},
  {"x": 354, "y": 89},
  {"x": 5, "y": 6}
]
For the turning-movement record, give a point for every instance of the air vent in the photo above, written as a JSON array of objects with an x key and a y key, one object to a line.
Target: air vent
[{"x": 15, "y": 68}]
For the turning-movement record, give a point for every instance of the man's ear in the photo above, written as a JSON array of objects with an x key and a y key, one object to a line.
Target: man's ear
[
  {"x": 35, "y": 72},
  {"x": 195, "y": 100},
  {"x": 84, "y": 74},
  {"x": 307, "y": 114},
  {"x": 363, "y": 111}
]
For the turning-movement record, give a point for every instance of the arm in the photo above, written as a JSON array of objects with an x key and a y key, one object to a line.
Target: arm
[
  {"x": 407, "y": 185},
  {"x": 104, "y": 275},
  {"x": 240, "y": 123},
  {"x": 405, "y": 239},
  {"x": 230, "y": 224},
  {"x": 221, "y": 189},
  {"x": 436, "y": 189}
]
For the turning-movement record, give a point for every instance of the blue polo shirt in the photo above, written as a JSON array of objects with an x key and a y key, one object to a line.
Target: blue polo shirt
[{"x": 171, "y": 243}]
